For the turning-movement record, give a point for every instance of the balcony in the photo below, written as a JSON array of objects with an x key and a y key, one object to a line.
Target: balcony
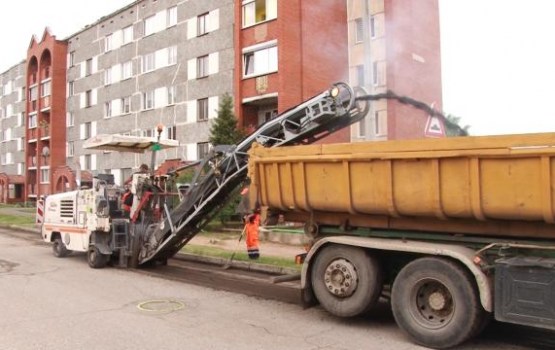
[
  {"x": 33, "y": 134},
  {"x": 44, "y": 132},
  {"x": 32, "y": 190},
  {"x": 32, "y": 162},
  {"x": 45, "y": 105}
]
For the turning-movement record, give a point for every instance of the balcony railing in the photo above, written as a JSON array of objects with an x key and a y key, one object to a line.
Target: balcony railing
[
  {"x": 44, "y": 131},
  {"x": 45, "y": 103},
  {"x": 32, "y": 190},
  {"x": 33, "y": 134}
]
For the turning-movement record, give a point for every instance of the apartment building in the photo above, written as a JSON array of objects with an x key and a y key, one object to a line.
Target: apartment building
[
  {"x": 12, "y": 134},
  {"x": 395, "y": 45},
  {"x": 287, "y": 52}
]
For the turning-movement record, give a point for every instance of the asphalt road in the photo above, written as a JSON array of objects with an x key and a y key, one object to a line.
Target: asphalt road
[{"x": 51, "y": 303}]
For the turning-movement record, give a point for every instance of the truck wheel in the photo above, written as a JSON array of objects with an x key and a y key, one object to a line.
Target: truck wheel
[
  {"x": 96, "y": 259},
  {"x": 347, "y": 281},
  {"x": 59, "y": 248},
  {"x": 435, "y": 301}
]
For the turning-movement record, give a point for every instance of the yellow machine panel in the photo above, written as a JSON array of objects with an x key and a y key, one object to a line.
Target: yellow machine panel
[{"x": 498, "y": 185}]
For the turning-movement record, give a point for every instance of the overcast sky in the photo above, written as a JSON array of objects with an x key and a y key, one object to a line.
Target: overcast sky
[{"x": 498, "y": 56}]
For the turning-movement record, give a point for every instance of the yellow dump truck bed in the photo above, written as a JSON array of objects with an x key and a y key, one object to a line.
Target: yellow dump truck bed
[{"x": 492, "y": 185}]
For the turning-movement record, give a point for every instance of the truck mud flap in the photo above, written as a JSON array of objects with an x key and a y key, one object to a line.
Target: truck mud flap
[{"x": 524, "y": 290}]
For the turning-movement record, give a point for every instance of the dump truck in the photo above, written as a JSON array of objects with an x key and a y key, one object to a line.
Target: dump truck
[{"x": 453, "y": 231}]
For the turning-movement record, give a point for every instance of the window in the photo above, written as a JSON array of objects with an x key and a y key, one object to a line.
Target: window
[
  {"x": 87, "y": 164},
  {"x": 70, "y": 88},
  {"x": 32, "y": 121},
  {"x": 70, "y": 149},
  {"x": 362, "y": 128},
  {"x": 171, "y": 132},
  {"x": 202, "y": 149},
  {"x": 149, "y": 25},
  {"x": 262, "y": 61},
  {"x": 372, "y": 27},
  {"x": 72, "y": 58},
  {"x": 108, "y": 42},
  {"x": 360, "y": 75},
  {"x": 359, "y": 30},
  {"x": 108, "y": 109},
  {"x": 202, "y": 66},
  {"x": 88, "y": 98},
  {"x": 127, "y": 70},
  {"x": 20, "y": 143},
  {"x": 148, "y": 100},
  {"x": 108, "y": 76},
  {"x": 70, "y": 119},
  {"x": 20, "y": 118},
  {"x": 87, "y": 130},
  {"x": 171, "y": 16},
  {"x": 45, "y": 89},
  {"x": 148, "y": 133},
  {"x": 172, "y": 55},
  {"x": 380, "y": 123},
  {"x": 202, "y": 24},
  {"x": 375, "y": 79},
  {"x": 127, "y": 35},
  {"x": 148, "y": 62},
  {"x": 33, "y": 93},
  {"x": 88, "y": 66},
  {"x": 45, "y": 176},
  {"x": 171, "y": 95},
  {"x": 256, "y": 11},
  {"x": 202, "y": 109},
  {"x": 2, "y": 137},
  {"x": 126, "y": 105}
]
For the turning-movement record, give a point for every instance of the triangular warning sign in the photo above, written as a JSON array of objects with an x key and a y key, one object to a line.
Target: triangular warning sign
[{"x": 434, "y": 127}]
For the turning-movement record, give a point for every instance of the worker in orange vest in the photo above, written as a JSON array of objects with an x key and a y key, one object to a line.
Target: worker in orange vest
[{"x": 251, "y": 229}]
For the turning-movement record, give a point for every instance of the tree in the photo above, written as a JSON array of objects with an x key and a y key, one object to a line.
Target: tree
[
  {"x": 224, "y": 131},
  {"x": 453, "y": 128}
]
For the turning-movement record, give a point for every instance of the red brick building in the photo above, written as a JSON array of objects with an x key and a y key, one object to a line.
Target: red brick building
[
  {"x": 285, "y": 53},
  {"x": 45, "y": 132}
]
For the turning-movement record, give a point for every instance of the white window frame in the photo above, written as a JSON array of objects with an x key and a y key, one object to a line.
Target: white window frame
[
  {"x": 202, "y": 109},
  {"x": 70, "y": 119},
  {"x": 70, "y": 148},
  {"x": 108, "y": 112},
  {"x": 127, "y": 35},
  {"x": 125, "y": 110},
  {"x": 126, "y": 70},
  {"x": 148, "y": 100},
  {"x": 45, "y": 175},
  {"x": 266, "y": 54},
  {"x": 203, "y": 66},
  {"x": 202, "y": 24},
  {"x": 149, "y": 25},
  {"x": 109, "y": 43},
  {"x": 108, "y": 76},
  {"x": 171, "y": 97},
  {"x": 359, "y": 30},
  {"x": 172, "y": 55},
  {"x": 171, "y": 16},
  {"x": 248, "y": 12},
  {"x": 46, "y": 88},
  {"x": 148, "y": 62}
]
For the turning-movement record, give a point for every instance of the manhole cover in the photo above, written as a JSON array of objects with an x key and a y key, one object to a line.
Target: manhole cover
[{"x": 160, "y": 306}]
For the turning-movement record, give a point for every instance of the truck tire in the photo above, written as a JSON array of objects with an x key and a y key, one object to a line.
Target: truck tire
[
  {"x": 435, "y": 301},
  {"x": 347, "y": 281},
  {"x": 96, "y": 259},
  {"x": 59, "y": 249}
]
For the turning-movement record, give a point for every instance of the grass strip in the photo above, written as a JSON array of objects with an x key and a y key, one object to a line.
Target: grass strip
[{"x": 240, "y": 256}]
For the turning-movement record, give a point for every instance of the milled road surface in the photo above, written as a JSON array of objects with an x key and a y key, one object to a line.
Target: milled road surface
[{"x": 50, "y": 303}]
